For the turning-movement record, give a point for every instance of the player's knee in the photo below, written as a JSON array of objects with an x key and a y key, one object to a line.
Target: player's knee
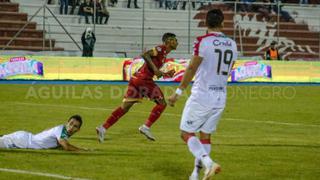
[
  {"x": 126, "y": 109},
  {"x": 185, "y": 136},
  {"x": 204, "y": 135},
  {"x": 162, "y": 102},
  {"x": 182, "y": 137},
  {"x": 163, "y": 105},
  {"x": 126, "y": 106}
]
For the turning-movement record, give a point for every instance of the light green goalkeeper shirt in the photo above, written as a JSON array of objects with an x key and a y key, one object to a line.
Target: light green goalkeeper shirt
[{"x": 48, "y": 138}]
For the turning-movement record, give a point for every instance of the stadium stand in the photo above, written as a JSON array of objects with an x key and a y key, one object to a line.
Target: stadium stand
[
  {"x": 11, "y": 21},
  {"x": 296, "y": 40},
  {"x": 123, "y": 34}
]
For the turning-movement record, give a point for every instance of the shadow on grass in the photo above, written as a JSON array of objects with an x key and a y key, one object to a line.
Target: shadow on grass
[
  {"x": 170, "y": 169},
  {"x": 104, "y": 152},
  {"x": 93, "y": 138},
  {"x": 271, "y": 145},
  {"x": 58, "y": 152},
  {"x": 115, "y": 135}
]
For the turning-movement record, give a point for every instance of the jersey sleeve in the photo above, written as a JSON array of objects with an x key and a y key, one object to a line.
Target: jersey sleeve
[
  {"x": 157, "y": 50},
  {"x": 198, "y": 47},
  {"x": 60, "y": 132}
]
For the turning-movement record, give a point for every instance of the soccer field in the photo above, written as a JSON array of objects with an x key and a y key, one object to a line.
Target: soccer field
[{"x": 266, "y": 132}]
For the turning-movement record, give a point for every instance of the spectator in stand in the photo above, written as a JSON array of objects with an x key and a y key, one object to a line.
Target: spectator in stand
[
  {"x": 74, "y": 4},
  {"x": 284, "y": 14},
  {"x": 230, "y": 4},
  {"x": 101, "y": 12},
  {"x": 303, "y": 2},
  {"x": 174, "y": 4},
  {"x": 263, "y": 9},
  {"x": 88, "y": 40},
  {"x": 167, "y": 4},
  {"x": 111, "y": 3},
  {"x": 86, "y": 9},
  {"x": 184, "y": 3},
  {"x": 246, "y": 5},
  {"x": 134, "y": 2},
  {"x": 64, "y": 5},
  {"x": 272, "y": 53}
]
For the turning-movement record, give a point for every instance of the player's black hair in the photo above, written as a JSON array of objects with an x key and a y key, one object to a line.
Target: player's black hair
[
  {"x": 214, "y": 18},
  {"x": 77, "y": 118},
  {"x": 273, "y": 43},
  {"x": 167, "y": 35}
]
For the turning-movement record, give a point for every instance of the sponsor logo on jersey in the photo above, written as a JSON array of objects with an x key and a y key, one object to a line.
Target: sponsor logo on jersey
[
  {"x": 215, "y": 88},
  {"x": 217, "y": 42}
]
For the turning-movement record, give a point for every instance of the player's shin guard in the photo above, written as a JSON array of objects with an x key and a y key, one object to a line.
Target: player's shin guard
[
  {"x": 155, "y": 114},
  {"x": 114, "y": 117}
]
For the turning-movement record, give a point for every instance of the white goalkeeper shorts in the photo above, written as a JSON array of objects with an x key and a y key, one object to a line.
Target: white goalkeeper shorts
[
  {"x": 19, "y": 139},
  {"x": 196, "y": 118}
]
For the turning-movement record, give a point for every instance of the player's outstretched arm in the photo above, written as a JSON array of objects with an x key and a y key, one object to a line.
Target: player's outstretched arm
[
  {"x": 147, "y": 58},
  {"x": 69, "y": 147},
  {"x": 187, "y": 78}
]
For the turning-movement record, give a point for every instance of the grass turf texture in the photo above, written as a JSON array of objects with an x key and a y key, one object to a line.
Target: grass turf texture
[{"x": 266, "y": 132}]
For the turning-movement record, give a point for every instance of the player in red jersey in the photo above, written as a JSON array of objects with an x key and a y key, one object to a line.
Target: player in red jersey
[{"x": 142, "y": 85}]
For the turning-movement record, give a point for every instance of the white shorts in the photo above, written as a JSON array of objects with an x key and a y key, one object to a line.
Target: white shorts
[
  {"x": 196, "y": 118},
  {"x": 19, "y": 139}
]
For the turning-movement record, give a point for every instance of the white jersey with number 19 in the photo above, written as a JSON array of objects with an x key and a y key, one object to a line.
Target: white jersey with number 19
[{"x": 218, "y": 54}]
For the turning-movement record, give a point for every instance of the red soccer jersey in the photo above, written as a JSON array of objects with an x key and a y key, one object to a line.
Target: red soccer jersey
[{"x": 145, "y": 72}]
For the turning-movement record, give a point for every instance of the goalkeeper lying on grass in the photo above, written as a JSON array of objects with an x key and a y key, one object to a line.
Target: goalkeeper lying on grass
[{"x": 51, "y": 138}]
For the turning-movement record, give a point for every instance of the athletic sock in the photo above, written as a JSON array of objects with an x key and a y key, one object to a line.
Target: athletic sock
[
  {"x": 207, "y": 145},
  {"x": 197, "y": 167},
  {"x": 196, "y": 148},
  {"x": 197, "y": 162},
  {"x": 198, "y": 151},
  {"x": 114, "y": 117},
  {"x": 155, "y": 114}
]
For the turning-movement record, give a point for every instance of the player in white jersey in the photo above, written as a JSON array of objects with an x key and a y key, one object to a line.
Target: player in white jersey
[
  {"x": 52, "y": 138},
  {"x": 213, "y": 57}
]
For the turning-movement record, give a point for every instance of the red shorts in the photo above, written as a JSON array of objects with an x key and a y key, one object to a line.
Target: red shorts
[{"x": 137, "y": 89}]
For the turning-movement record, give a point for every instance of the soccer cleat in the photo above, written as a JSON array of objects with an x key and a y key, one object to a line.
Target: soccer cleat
[
  {"x": 100, "y": 132},
  {"x": 209, "y": 172},
  {"x": 146, "y": 131},
  {"x": 193, "y": 177},
  {"x": 196, "y": 171}
]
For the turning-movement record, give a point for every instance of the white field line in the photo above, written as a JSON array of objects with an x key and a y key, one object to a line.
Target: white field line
[
  {"x": 168, "y": 114},
  {"x": 39, "y": 174}
]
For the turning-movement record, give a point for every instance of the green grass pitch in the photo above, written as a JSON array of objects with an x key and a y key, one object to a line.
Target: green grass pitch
[{"x": 266, "y": 132}]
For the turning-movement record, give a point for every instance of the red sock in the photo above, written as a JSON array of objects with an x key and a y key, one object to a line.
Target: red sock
[
  {"x": 155, "y": 114},
  {"x": 205, "y": 141},
  {"x": 114, "y": 117}
]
